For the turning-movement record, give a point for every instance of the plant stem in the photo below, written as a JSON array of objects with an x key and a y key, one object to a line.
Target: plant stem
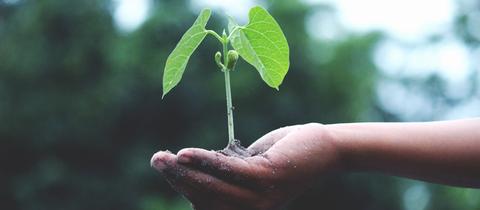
[
  {"x": 231, "y": 135},
  {"x": 215, "y": 35}
]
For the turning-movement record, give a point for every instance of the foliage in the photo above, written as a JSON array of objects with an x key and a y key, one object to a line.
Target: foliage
[
  {"x": 262, "y": 44},
  {"x": 178, "y": 59}
]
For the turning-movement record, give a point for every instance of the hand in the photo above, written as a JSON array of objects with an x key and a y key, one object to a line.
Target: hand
[{"x": 285, "y": 162}]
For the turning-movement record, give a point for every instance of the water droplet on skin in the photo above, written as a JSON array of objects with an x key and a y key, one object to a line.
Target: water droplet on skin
[
  {"x": 224, "y": 167},
  {"x": 181, "y": 173}
]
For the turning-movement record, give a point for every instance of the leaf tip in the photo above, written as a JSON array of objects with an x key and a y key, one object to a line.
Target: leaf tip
[
  {"x": 206, "y": 9},
  {"x": 206, "y": 13},
  {"x": 165, "y": 92},
  {"x": 257, "y": 7}
]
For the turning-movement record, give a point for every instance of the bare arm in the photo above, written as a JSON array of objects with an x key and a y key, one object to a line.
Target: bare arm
[
  {"x": 445, "y": 152},
  {"x": 289, "y": 159}
]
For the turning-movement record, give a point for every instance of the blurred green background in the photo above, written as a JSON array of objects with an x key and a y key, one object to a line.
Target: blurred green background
[{"x": 81, "y": 110}]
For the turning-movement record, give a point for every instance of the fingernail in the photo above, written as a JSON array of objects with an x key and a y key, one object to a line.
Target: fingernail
[
  {"x": 157, "y": 162},
  {"x": 184, "y": 158}
]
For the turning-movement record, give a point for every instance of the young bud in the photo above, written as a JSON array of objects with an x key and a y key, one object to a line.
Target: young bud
[
  {"x": 224, "y": 34},
  {"x": 218, "y": 60},
  {"x": 232, "y": 58}
]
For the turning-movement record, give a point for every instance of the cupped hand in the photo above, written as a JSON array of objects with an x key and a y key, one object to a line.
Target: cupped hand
[{"x": 284, "y": 163}]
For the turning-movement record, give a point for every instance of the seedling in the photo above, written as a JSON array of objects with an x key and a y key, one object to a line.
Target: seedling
[{"x": 261, "y": 43}]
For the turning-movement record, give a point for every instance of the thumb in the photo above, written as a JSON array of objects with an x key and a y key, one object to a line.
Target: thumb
[{"x": 268, "y": 140}]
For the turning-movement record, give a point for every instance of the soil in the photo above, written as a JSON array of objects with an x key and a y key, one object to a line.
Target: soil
[{"x": 235, "y": 149}]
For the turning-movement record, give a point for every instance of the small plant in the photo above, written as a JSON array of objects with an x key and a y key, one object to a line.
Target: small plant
[{"x": 261, "y": 43}]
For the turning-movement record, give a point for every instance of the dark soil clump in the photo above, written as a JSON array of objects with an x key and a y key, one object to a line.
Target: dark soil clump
[{"x": 235, "y": 149}]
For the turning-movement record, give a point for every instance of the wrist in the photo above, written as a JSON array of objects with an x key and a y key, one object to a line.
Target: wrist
[
  {"x": 342, "y": 136},
  {"x": 331, "y": 148}
]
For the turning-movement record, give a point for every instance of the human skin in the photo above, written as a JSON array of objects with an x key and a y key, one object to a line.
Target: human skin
[{"x": 288, "y": 160}]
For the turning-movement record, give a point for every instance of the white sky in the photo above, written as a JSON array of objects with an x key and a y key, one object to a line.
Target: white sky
[
  {"x": 130, "y": 14},
  {"x": 235, "y": 8},
  {"x": 402, "y": 19}
]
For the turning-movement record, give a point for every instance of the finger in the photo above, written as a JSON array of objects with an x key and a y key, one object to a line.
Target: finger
[
  {"x": 300, "y": 150},
  {"x": 229, "y": 168},
  {"x": 201, "y": 187},
  {"x": 287, "y": 150},
  {"x": 204, "y": 189},
  {"x": 269, "y": 139},
  {"x": 165, "y": 163},
  {"x": 159, "y": 160}
]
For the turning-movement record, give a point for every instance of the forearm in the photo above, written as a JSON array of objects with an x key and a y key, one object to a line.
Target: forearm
[{"x": 445, "y": 152}]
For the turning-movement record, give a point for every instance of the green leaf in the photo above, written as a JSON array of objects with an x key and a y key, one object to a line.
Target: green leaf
[
  {"x": 262, "y": 44},
  {"x": 231, "y": 24},
  {"x": 178, "y": 59}
]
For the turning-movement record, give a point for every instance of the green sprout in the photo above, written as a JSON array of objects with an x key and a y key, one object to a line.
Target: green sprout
[{"x": 261, "y": 43}]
